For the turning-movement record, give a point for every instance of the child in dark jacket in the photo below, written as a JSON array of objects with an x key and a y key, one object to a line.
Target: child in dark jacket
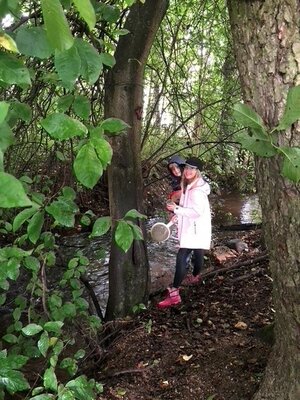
[{"x": 175, "y": 167}]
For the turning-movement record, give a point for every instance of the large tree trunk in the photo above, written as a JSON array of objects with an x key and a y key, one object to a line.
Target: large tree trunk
[
  {"x": 267, "y": 44},
  {"x": 129, "y": 272}
]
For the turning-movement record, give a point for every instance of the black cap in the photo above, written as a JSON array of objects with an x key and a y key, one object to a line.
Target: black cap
[{"x": 194, "y": 162}]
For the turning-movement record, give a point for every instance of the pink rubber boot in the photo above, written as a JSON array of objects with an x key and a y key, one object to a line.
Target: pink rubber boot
[{"x": 171, "y": 299}]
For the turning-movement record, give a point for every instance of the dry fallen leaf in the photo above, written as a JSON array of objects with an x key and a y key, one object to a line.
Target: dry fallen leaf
[{"x": 241, "y": 325}]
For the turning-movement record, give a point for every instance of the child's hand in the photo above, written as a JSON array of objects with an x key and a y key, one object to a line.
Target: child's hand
[{"x": 171, "y": 206}]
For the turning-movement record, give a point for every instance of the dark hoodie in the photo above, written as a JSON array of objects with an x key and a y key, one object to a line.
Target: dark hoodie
[{"x": 175, "y": 180}]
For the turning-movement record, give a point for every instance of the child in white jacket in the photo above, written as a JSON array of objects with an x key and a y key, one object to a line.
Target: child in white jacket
[{"x": 194, "y": 227}]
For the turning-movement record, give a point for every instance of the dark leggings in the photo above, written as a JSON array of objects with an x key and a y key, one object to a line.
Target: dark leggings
[{"x": 182, "y": 264}]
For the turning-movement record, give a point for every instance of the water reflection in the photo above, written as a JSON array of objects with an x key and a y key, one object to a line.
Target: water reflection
[{"x": 234, "y": 208}]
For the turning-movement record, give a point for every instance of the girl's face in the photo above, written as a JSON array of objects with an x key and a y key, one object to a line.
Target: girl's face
[
  {"x": 174, "y": 168},
  {"x": 190, "y": 173}
]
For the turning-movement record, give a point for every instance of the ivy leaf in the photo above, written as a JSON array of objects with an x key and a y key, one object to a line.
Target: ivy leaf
[
  {"x": 87, "y": 166},
  {"x": 86, "y": 11},
  {"x": 248, "y": 118},
  {"x": 12, "y": 193},
  {"x": 123, "y": 235},
  {"x": 258, "y": 143},
  {"x": 62, "y": 127},
  {"x": 56, "y": 24},
  {"x": 291, "y": 163},
  {"x": 101, "y": 226},
  {"x": 114, "y": 125},
  {"x": 292, "y": 109},
  {"x": 32, "y": 41}
]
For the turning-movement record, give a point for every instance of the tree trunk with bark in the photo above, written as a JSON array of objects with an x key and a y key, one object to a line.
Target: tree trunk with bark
[
  {"x": 267, "y": 45},
  {"x": 129, "y": 272}
]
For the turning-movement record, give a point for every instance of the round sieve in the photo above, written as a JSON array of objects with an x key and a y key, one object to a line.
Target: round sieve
[{"x": 160, "y": 231}]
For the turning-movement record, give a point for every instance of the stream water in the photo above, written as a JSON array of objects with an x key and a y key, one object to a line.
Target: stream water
[{"x": 227, "y": 209}]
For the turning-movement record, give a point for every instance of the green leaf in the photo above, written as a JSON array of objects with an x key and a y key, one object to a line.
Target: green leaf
[
  {"x": 63, "y": 211},
  {"x": 101, "y": 226},
  {"x": 19, "y": 111},
  {"x": 13, "y": 71},
  {"x": 44, "y": 397},
  {"x": 134, "y": 214},
  {"x": 82, "y": 107},
  {"x": 291, "y": 163},
  {"x": 69, "y": 193},
  {"x": 91, "y": 64},
  {"x": 86, "y": 11},
  {"x": 32, "y": 41},
  {"x": 292, "y": 109},
  {"x": 50, "y": 380},
  {"x": 103, "y": 150},
  {"x": 35, "y": 226},
  {"x": 13, "y": 268},
  {"x": 9, "y": 338},
  {"x": 56, "y": 24},
  {"x": 6, "y": 136},
  {"x": 107, "y": 59},
  {"x": 13, "y": 381},
  {"x": 67, "y": 64},
  {"x": 31, "y": 329},
  {"x": 12, "y": 193},
  {"x": 248, "y": 118},
  {"x": 87, "y": 166},
  {"x": 136, "y": 230},
  {"x": 53, "y": 326},
  {"x": 23, "y": 216},
  {"x": 8, "y": 43},
  {"x": 109, "y": 13},
  {"x": 114, "y": 125},
  {"x": 32, "y": 263},
  {"x": 62, "y": 127},
  {"x": 64, "y": 102},
  {"x": 258, "y": 143},
  {"x": 123, "y": 235},
  {"x": 4, "y": 106},
  {"x": 43, "y": 343}
]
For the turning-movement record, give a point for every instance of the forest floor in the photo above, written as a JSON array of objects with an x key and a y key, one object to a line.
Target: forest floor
[{"x": 212, "y": 346}]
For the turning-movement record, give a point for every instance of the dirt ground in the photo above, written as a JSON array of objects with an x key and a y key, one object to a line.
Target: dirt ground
[{"x": 212, "y": 346}]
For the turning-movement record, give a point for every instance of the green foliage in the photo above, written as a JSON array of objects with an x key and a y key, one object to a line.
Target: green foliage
[
  {"x": 48, "y": 102},
  {"x": 262, "y": 142}
]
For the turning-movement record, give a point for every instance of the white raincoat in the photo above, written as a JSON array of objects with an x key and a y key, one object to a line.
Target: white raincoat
[{"x": 194, "y": 217}]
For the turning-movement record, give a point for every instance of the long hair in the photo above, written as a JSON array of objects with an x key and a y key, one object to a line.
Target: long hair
[{"x": 185, "y": 182}]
